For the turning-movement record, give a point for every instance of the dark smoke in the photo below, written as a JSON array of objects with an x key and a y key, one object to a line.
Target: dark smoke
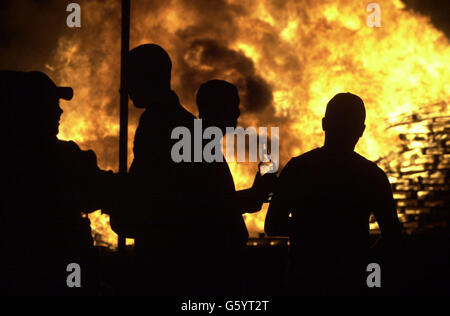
[
  {"x": 29, "y": 32},
  {"x": 438, "y": 10},
  {"x": 255, "y": 92}
]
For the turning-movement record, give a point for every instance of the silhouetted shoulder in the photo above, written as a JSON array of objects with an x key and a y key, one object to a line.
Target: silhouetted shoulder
[
  {"x": 186, "y": 114},
  {"x": 185, "y": 117},
  {"x": 308, "y": 158},
  {"x": 321, "y": 158},
  {"x": 298, "y": 165},
  {"x": 371, "y": 167},
  {"x": 182, "y": 117},
  {"x": 371, "y": 171}
]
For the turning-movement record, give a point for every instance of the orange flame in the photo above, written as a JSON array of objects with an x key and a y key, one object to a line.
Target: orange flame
[{"x": 306, "y": 51}]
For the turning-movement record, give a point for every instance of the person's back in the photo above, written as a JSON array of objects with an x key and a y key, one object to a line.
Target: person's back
[
  {"x": 222, "y": 230},
  {"x": 158, "y": 186},
  {"x": 332, "y": 195},
  {"x": 154, "y": 173},
  {"x": 323, "y": 203}
]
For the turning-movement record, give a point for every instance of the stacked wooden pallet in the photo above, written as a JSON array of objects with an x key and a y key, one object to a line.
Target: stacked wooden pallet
[{"x": 419, "y": 171}]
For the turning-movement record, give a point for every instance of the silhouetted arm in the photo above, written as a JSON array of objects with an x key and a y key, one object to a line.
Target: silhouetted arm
[
  {"x": 251, "y": 200},
  {"x": 106, "y": 190},
  {"x": 85, "y": 187},
  {"x": 385, "y": 211},
  {"x": 100, "y": 189},
  {"x": 278, "y": 222},
  {"x": 247, "y": 202}
]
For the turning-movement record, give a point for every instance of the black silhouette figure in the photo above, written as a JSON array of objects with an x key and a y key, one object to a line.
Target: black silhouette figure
[
  {"x": 47, "y": 184},
  {"x": 330, "y": 193},
  {"x": 223, "y": 227},
  {"x": 156, "y": 215}
]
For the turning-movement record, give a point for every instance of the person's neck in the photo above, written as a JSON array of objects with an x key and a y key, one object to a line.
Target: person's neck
[
  {"x": 333, "y": 146},
  {"x": 165, "y": 102}
]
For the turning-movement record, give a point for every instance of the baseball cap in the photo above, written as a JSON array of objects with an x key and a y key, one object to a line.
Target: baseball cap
[{"x": 42, "y": 86}]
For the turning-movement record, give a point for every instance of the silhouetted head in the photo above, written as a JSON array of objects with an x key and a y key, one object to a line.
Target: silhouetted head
[
  {"x": 149, "y": 74},
  {"x": 344, "y": 121},
  {"x": 218, "y": 103},
  {"x": 40, "y": 112}
]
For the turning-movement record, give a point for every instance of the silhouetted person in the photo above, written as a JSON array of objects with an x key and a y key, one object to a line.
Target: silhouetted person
[
  {"x": 223, "y": 227},
  {"x": 156, "y": 214},
  {"x": 330, "y": 193},
  {"x": 47, "y": 184}
]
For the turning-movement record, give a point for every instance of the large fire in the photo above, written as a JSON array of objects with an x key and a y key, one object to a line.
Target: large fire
[{"x": 300, "y": 52}]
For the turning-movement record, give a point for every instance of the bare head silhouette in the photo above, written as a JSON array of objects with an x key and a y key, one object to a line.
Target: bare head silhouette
[
  {"x": 149, "y": 74},
  {"x": 41, "y": 111},
  {"x": 344, "y": 121},
  {"x": 218, "y": 103}
]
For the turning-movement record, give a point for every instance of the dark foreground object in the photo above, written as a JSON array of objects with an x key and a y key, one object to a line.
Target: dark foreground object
[{"x": 422, "y": 267}]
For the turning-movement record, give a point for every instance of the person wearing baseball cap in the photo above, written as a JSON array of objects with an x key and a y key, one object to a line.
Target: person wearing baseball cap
[
  {"x": 30, "y": 103},
  {"x": 41, "y": 103},
  {"x": 42, "y": 85},
  {"x": 48, "y": 182}
]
